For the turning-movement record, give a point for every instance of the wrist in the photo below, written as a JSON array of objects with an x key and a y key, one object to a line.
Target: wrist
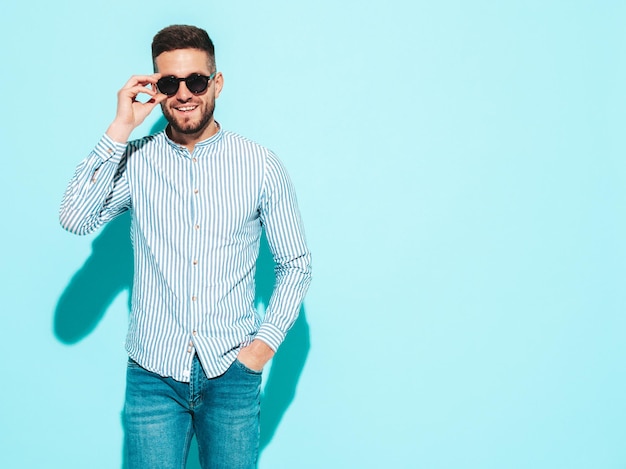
[
  {"x": 119, "y": 132},
  {"x": 256, "y": 354}
]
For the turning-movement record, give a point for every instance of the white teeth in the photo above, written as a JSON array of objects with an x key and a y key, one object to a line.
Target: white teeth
[{"x": 189, "y": 108}]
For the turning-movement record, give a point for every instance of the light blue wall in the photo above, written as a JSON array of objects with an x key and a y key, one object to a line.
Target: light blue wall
[{"x": 460, "y": 169}]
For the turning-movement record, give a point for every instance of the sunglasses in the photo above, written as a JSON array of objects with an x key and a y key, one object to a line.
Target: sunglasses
[{"x": 195, "y": 83}]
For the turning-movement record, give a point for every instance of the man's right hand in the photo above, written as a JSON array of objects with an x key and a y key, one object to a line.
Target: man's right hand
[{"x": 131, "y": 112}]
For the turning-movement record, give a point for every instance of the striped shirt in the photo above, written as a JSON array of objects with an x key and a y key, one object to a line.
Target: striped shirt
[{"x": 196, "y": 221}]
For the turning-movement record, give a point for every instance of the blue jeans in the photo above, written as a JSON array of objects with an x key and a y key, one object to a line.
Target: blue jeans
[{"x": 161, "y": 416}]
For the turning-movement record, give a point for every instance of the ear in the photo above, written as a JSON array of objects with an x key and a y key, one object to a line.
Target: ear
[{"x": 219, "y": 84}]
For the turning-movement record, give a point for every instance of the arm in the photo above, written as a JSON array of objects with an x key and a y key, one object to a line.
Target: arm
[
  {"x": 285, "y": 235},
  {"x": 98, "y": 191}
]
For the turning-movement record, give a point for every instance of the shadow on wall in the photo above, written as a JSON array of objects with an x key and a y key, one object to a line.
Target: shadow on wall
[
  {"x": 109, "y": 270},
  {"x": 105, "y": 274}
]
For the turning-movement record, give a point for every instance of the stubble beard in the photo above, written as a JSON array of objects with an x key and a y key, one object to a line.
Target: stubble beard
[{"x": 189, "y": 127}]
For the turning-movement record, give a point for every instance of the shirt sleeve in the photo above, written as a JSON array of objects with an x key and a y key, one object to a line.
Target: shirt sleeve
[
  {"x": 281, "y": 220},
  {"x": 98, "y": 192}
]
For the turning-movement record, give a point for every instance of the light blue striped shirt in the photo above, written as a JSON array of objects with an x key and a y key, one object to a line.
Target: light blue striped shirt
[{"x": 196, "y": 227}]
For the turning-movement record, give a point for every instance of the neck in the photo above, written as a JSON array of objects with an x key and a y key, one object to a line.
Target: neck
[{"x": 189, "y": 140}]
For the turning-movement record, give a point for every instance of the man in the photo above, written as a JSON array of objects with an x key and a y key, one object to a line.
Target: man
[{"x": 199, "y": 197}]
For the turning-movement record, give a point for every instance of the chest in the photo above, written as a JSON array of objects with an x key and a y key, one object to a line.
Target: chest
[{"x": 216, "y": 192}]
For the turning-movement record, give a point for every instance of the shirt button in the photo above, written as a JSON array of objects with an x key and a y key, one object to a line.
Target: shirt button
[
  {"x": 195, "y": 262},
  {"x": 195, "y": 332},
  {"x": 195, "y": 191},
  {"x": 193, "y": 298},
  {"x": 194, "y": 160}
]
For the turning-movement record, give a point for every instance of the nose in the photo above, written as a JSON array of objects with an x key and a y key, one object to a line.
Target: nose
[{"x": 183, "y": 94}]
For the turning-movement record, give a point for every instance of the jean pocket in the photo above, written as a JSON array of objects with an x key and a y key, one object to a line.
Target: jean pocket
[
  {"x": 132, "y": 364},
  {"x": 246, "y": 369}
]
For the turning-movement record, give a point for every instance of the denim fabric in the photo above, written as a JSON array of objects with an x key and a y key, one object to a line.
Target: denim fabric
[{"x": 161, "y": 415}]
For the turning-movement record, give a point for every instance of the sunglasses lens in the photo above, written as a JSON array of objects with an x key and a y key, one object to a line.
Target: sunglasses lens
[
  {"x": 197, "y": 83},
  {"x": 168, "y": 85}
]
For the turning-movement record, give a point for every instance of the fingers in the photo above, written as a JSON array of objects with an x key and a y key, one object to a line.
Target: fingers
[
  {"x": 132, "y": 108},
  {"x": 141, "y": 109},
  {"x": 142, "y": 80},
  {"x": 138, "y": 84},
  {"x": 156, "y": 99},
  {"x": 132, "y": 111},
  {"x": 159, "y": 98}
]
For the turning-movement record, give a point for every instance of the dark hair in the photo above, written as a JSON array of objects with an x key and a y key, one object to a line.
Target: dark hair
[{"x": 180, "y": 36}]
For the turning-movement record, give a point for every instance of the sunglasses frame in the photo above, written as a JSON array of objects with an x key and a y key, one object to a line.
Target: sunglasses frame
[{"x": 173, "y": 79}]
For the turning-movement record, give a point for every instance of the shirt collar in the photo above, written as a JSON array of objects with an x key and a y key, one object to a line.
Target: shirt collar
[{"x": 216, "y": 137}]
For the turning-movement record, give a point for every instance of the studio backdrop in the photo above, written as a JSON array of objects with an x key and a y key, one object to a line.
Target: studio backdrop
[{"x": 460, "y": 171}]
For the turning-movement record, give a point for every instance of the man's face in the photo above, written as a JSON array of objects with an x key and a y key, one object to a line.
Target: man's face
[{"x": 189, "y": 113}]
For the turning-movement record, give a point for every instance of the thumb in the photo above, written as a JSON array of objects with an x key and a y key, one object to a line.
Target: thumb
[{"x": 149, "y": 105}]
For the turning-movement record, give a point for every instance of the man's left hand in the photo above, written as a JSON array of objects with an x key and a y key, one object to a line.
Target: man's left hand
[{"x": 255, "y": 355}]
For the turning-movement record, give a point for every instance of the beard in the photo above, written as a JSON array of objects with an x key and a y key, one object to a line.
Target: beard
[{"x": 186, "y": 125}]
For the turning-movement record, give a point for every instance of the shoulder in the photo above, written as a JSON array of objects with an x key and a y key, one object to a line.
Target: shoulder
[
  {"x": 147, "y": 142},
  {"x": 252, "y": 151},
  {"x": 243, "y": 144}
]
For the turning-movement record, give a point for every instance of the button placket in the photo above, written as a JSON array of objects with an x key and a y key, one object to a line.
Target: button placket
[{"x": 195, "y": 249}]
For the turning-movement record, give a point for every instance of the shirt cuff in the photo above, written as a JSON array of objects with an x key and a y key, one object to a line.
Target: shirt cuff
[
  {"x": 271, "y": 335},
  {"x": 108, "y": 150}
]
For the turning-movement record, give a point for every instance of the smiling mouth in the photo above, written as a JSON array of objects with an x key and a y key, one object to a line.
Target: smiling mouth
[{"x": 185, "y": 108}]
